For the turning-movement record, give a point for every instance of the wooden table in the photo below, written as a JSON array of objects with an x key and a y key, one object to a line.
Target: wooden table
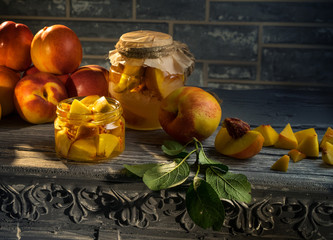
[{"x": 42, "y": 197}]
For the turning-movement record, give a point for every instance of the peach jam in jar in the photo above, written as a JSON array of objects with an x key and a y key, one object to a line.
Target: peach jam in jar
[
  {"x": 89, "y": 129},
  {"x": 145, "y": 67}
]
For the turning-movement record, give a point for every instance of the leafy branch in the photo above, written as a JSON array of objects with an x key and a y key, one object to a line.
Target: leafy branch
[{"x": 203, "y": 197}]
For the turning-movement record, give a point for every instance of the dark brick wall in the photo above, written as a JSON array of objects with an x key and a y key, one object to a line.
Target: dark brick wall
[{"x": 237, "y": 42}]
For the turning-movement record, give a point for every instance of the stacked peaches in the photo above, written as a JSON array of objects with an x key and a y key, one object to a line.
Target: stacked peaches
[{"x": 38, "y": 71}]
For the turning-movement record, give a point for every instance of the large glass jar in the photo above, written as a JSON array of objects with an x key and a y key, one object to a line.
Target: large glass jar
[
  {"x": 145, "y": 67},
  {"x": 89, "y": 129}
]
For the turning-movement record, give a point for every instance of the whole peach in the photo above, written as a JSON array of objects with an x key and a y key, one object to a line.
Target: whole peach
[
  {"x": 15, "y": 41},
  {"x": 8, "y": 80},
  {"x": 56, "y": 49},
  {"x": 88, "y": 80},
  {"x": 32, "y": 69},
  {"x": 36, "y": 97},
  {"x": 189, "y": 112}
]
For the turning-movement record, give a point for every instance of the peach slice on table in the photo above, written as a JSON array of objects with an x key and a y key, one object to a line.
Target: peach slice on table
[
  {"x": 236, "y": 140},
  {"x": 83, "y": 149},
  {"x": 328, "y": 137},
  {"x": 309, "y": 146},
  {"x": 106, "y": 144},
  {"x": 308, "y": 142},
  {"x": 301, "y": 135},
  {"x": 269, "y": 134},
  {"x": 287, "y": 139},
  {"x": 296, "y": 155},
  {"x": 281, "y": 164},
  {"x": 327, "y": 154},
  {"x": 162, "y": 83}
]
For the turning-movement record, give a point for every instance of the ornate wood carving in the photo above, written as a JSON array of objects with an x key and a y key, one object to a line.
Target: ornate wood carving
[{"x": 143, "y": 209}]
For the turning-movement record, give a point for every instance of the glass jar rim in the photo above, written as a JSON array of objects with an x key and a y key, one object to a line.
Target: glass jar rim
[{"x": 114, "y": 113}]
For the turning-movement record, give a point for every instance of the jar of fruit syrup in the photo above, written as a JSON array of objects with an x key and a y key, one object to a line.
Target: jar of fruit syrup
[
  {"x": 89, "y": 129},
  {"x": 145, "y": 67}
]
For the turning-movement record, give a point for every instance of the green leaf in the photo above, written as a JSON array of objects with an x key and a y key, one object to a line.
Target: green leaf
[
  {"x": 217, "y": 167},
  {"x": 229, "y": 185},
  {"x": 204, "y": 205},
  {"x": 173, "y": 148},
  {"x": 167, "y": 175},
  {"x": 205, "y": 161},
  {"x": 140, "y": 169}
]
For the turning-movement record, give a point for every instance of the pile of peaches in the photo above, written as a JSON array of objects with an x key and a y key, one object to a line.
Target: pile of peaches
[{"x": 38, "y": 71}]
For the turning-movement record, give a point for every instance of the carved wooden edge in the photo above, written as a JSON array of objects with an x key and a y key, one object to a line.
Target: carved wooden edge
[{"x": 30, "y": 202}]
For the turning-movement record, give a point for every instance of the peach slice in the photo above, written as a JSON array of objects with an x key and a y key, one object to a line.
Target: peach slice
[
  {"x": 328, "y": 137},
  {"x": 106, "y": 144},
  {"x": 281, "y": 164},
  {"x": 296, "y": 155},
  {"x": 88, "y": 100},
  {"x": 327, "y": 154},
  {"x": 86, "y": 130},
  {"x": 237, "y": 140},
  {"x": 115, "y": 73},
  {"x": 301, "y": 135},
  {"x": 83, "y": 149},
  {"x": 126, "y": 83},
  {"x": 309, "y": 146},
  {"x": 162, "y": 83},
  {"x": 63, "y": 142},
  {"x": 78, "y": 107},
  {"x": 101, "y": 105},
  {"x": 130, "y": 78},
  {"x": 287, "y": 139},
  {"x": 133, "y": 70},
  {"x": 269, "y": 134}
]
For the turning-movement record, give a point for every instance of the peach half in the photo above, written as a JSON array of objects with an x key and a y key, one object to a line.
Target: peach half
[{"x": 248, "y": 144}]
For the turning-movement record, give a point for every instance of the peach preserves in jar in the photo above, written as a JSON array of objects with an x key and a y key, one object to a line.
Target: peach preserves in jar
[
  {"x": 89, "y": 129},
  {"x": 145, "y": 67}
]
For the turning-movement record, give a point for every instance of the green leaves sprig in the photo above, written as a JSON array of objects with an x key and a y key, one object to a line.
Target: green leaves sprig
[{"x": 203, "y": 197}]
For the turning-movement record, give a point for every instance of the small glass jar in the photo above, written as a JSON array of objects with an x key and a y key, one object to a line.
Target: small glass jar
[
  {"x": 89, "y": 137},
  {"x": 145, "y": 67}
]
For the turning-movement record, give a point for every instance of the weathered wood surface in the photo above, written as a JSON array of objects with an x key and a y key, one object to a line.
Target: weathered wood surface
[{"x": 28, "y": 163}]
